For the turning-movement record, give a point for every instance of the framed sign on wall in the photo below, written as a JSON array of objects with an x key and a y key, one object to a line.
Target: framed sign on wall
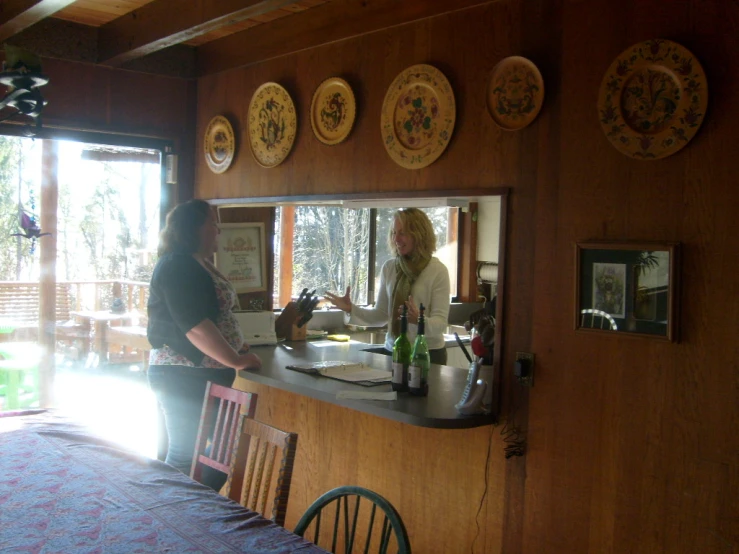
[
  {"x": 241, "y": 256},
  {"x": 628, "y": 287}
]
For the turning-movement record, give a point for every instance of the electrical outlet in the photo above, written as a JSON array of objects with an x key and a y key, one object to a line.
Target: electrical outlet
[{"x": 524, "y": 369}]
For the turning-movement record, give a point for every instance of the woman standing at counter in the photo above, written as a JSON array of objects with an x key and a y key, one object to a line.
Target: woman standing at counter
[
  {"x": 192, "y": 328},
  {"x": 413, "y": 276}
]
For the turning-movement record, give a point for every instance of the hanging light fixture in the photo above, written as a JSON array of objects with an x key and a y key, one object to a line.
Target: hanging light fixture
[{"x": 22, "y": 76}]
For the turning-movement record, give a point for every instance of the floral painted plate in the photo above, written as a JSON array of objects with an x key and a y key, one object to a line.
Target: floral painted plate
[
  {"x": 652, "y": 99},
  {"x": 332, "y": 111},
  {"x": 219, "y": 144},
  {"x": 515, "y": 93},
  {"x": 418, "y": 116},
  {"x": 271, "y": 124}
]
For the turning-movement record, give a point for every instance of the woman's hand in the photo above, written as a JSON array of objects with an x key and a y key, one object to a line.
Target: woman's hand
[
  {"x": 248, "y": 361},
  {"x": 344, "y": 303},
  {"x": 412, "y": 310}
]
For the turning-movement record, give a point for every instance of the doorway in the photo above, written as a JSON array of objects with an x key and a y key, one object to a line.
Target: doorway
[{"x": 104, "y": 217}]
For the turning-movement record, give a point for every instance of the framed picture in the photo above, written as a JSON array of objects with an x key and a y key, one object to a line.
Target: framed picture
[
  {"x": 627, "y": 287},
  {"x": 241, "y": 256}
]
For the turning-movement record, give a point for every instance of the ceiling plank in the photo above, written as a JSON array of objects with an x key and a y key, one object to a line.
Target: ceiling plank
[
  {"x": 17, "y": 15},
  {"x": 163, "y": 23},
  {"x": 334, "y": 21}
]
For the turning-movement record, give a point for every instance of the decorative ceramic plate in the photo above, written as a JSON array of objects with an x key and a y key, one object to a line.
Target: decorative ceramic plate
[
  {"x": 418, "y": 116},
  {"x": 219, "y": 144},
  {"x": 515, "y": 93},
  {"x": 332, "y": 111},
  {"x": 652, "y": 99},
  {"x": 271, "y": 124}
]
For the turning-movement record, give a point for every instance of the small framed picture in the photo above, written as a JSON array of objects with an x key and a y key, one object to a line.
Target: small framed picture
[
  {"x": 241, "y": 256},
  {"x": 628, "y": 287}
]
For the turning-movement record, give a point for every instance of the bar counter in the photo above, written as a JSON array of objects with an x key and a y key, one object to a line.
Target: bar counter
[{"x": 436, "y": 410}]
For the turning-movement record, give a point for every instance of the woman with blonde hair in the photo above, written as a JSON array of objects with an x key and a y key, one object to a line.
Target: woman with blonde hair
[{"x": 413, "y": 277}]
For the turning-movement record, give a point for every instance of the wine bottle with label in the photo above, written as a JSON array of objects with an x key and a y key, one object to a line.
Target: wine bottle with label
[
  {"x": 401, "y": 355},
  {"x": 418, "y": 371}
]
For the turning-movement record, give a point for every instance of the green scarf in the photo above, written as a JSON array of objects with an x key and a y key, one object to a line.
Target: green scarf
[{"x": 407, "y": 271}]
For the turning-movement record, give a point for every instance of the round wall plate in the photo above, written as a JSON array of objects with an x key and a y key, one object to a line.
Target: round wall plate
[
  {"x": 418, "y": 116},
  {"x": 219, "y": 144},
  {"x": 332, "y": 111},
  {"x": 271, "y": 124},
  {"x": 515, "y": 93},
  {"x": 653, "y": 99}
]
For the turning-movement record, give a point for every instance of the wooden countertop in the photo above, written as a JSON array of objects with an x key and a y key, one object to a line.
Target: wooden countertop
[{"x": 436, "y": 410}]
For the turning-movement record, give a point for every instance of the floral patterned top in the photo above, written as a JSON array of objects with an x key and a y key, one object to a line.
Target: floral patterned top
[{"x": 228, "y": 301}]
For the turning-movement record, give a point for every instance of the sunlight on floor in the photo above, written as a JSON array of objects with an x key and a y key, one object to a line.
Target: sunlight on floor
[{"x": 117, "y": 405}]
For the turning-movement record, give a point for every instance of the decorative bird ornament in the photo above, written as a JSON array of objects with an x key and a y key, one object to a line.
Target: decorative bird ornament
[{"x": 31, "y": 230}]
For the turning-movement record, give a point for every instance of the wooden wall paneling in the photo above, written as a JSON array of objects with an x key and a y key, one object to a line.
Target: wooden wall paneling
[
  {"x": 87, "y": 97},
  {"x": 408, "y": 465},
  {"x": 630, "y": 442},
  {"x": 537, "y": 291}
]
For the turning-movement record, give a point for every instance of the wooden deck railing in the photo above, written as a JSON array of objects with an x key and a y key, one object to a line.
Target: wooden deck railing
[{"x": 20, "y": 299}]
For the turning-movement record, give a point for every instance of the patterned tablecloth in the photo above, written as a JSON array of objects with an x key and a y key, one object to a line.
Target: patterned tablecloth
[{"x": 63, "y": 489}]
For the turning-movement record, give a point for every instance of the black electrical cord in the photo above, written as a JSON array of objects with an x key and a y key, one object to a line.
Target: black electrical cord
[
  {"x": 512, "y": 434},
  {"x": 485, "y": 492}
]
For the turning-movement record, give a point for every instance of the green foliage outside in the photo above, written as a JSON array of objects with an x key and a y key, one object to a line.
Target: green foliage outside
[
  {"x": 107, "y": 214},
  {"x": 331, "y": 247}
]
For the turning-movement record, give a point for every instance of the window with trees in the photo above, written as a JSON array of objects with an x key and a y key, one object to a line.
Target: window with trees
[
  {"x": 107, "y": 211},
  {"x": 335, "y": 247}
]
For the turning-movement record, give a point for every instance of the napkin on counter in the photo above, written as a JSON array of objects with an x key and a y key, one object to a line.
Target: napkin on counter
[{"x": 366, "y": 395}]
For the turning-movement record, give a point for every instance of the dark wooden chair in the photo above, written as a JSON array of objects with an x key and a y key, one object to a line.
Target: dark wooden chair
[
  {"x": 253, "y": 481},
  {"x": 222, "y": 411},
  {"x": 351, "y": 522}
]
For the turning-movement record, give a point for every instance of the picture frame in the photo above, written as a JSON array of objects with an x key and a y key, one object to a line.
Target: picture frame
[
  {"x": 628, "y": 288},
  {"x": 241, "y": 256}
]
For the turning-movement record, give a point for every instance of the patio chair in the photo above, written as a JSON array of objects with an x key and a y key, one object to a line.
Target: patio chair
[
  {"x": 222, "y": 410},
  {"x": 19, "y": 378},
  {"x": 353, "y": 523},
  {"x": 253, "y": 479}
]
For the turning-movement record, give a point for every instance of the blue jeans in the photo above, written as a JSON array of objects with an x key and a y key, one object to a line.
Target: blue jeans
[{"x": 180, "y": 391}]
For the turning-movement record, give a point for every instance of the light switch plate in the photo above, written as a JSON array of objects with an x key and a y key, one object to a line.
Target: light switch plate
[{"x": 527, "y": 359}]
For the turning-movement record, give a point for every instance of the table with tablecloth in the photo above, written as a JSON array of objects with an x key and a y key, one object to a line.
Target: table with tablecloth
[{"x": 63, "y": 489}]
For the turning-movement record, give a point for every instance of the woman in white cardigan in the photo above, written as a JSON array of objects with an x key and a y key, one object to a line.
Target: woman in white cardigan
[{"x": 413, "y": 277}]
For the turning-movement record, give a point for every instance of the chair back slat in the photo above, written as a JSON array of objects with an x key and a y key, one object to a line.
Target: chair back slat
[
  {"x": 385, "y": 535},
  {"x": 220, "y": 423},
  {"x": 371, "y": 524},
  {"x": 260, "y": 455},
  {"x": 255, "y": 475},
  {"x": 355, "y": 523},
  {"x": 336, "y": 524},
  {"x": 270, "y": 452}
]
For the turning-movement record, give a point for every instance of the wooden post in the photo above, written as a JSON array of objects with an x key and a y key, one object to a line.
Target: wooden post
[
  {"x": 287, "y": 232},
  {"x": 47, "y": 280},
  {"x": 467, "y": 285}
]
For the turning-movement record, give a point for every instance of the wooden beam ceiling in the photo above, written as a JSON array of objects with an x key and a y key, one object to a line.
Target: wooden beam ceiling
[
  {"x": 331, "y": 22},
  {"x": 167, "y": 36},
  {"x": 164, "y": 23},
  {"x": 17, "y": 15}
]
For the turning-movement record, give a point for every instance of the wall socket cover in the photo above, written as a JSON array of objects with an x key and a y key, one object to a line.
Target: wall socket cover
[{"x": 525, "y": 373}]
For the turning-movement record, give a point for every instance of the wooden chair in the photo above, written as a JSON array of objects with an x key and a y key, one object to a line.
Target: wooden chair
[
  {"x": 222, "y": 412},
  {"x": 352, "y": 523},
  {"x": 253, "y": 480}
]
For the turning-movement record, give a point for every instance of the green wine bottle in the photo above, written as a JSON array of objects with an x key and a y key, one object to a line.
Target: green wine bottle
[
  {"x": 401, "y": 355},
  {"x": 418, "y": 371}
]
